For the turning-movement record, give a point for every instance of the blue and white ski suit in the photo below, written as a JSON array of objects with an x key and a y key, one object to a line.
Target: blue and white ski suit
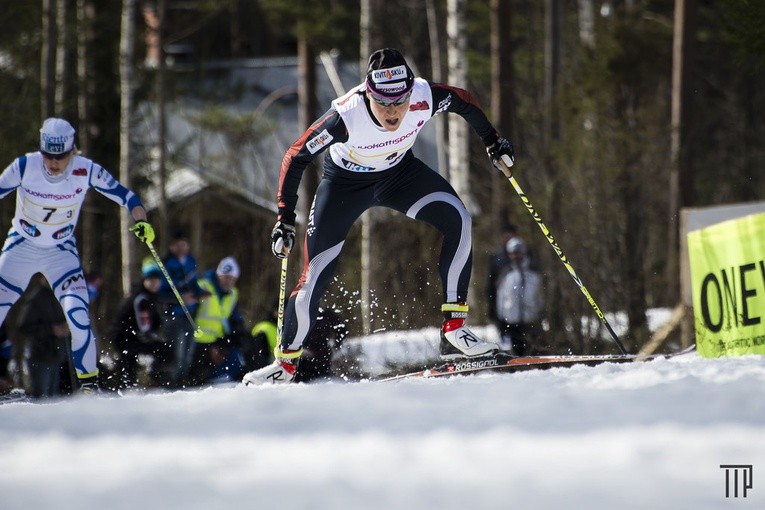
[{"x": 41, "y": 240}]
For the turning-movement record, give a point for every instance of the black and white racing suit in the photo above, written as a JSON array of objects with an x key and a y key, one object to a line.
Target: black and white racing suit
[{"x": 369, "y": 166}]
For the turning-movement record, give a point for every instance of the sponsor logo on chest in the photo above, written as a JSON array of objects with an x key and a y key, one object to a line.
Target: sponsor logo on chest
[{"x": 49, "y": 195}]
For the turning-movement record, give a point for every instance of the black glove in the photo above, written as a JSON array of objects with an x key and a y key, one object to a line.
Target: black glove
[
  {"x": 501, "y": 149},
  {"x": 282, "y": 239}
]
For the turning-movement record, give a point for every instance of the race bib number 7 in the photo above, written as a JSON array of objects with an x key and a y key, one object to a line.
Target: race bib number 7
[{"x": 48, "y": 214}]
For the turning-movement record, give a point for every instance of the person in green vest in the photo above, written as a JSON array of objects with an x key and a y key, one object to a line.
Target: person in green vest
[
  {"x": 216, "y": 355},
  {"x": 324, "y": 339},
  {"x": 259, "y": 351}
]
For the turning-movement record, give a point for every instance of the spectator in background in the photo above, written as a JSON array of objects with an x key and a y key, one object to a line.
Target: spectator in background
[
  {"x": 138, "y": 330},
  {"x": 519, "y": 302},
  {"x": 43, "y": 326},
  {"x": 499, "y": 261},
  {"x": 181, "y": 266},
  {"x": 259, "y": 351},
  {"x": 216, "y": 354},
  {"x": 322, "y": 342},
  {"x": 94, "y": 281},
  {"x": 6, "y": 355}
]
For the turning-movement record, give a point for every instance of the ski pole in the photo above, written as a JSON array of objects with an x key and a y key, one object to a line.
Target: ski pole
[
  {"x": 197, "y": 330},
  {"x": 280, "y": 309},
  {"x": 509, "y": 174}
]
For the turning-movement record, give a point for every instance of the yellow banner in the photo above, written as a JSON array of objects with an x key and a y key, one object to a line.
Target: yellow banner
[{"x": 728, "y": 274}]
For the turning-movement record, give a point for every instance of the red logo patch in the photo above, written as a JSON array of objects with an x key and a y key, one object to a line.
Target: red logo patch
[
  {"x": 79, "y": 171},
  {"x": 420, "y": 105}
]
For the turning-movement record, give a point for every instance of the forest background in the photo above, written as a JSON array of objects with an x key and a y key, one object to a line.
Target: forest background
[{"x": 622, "y": 112}]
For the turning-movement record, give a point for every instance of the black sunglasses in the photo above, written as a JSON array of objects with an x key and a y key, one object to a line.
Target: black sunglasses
[{"x": 57, "y": 157}]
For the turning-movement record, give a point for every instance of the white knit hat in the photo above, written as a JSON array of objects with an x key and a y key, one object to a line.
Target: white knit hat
[
  {"x": 228, "y": 266},
  {"x": 515, "y": 245},
  {"x": 56, "y": 136}
]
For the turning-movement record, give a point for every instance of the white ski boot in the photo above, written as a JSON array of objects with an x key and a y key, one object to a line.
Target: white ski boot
[
  {"x": 281, "y": 371},
  {"x": 457, "y": 341},
  {"x": 89, "y": 386}
]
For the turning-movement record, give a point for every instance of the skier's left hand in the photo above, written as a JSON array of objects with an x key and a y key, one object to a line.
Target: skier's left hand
[
  {"x": 501, "y": 149},
  {"x": 143, "y": 231}
]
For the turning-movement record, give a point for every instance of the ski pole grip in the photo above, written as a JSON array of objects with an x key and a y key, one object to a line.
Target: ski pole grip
[{"x": 505, "y": 169}]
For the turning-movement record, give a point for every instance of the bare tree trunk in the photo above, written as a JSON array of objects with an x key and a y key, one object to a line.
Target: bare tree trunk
[
  {"x": 368, "y": 33},
  {"x": 365, "y": 48},
  {"x": 84, "y": 38},
  {"x": 501, "y": 90},
  {"x": 458, "y": 129},
  {"x": 48, "y": 60},
  {"x": 438, "y": 77},
  {"x": 164, "y": 221},
  {"x": 681, "y": 171},
  {"x": 502, "y": 79},
  {"x": 635, "y": 232},
  {"x": 127, "y": 41},
  {"x": 61, "y": 93},
  {"x": 552, "y": 70},
  {"x": 587, "y": 23},
  {"x": 551, "y": 135},
  {"x": 307, "y": 111}
]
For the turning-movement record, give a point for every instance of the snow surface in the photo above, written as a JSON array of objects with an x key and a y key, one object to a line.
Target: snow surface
[{"x": 616, "y": 436}]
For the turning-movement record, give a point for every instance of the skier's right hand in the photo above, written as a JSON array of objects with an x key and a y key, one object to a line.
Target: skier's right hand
[
  {"x": 282, "y": 239},
  {"x": 501, "y": 151}
]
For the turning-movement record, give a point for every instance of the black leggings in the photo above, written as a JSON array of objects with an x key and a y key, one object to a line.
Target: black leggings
[{"x": 410, "y": 187}]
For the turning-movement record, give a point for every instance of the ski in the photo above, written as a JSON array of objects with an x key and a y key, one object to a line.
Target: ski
[{"x": 504, "y": 362}]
